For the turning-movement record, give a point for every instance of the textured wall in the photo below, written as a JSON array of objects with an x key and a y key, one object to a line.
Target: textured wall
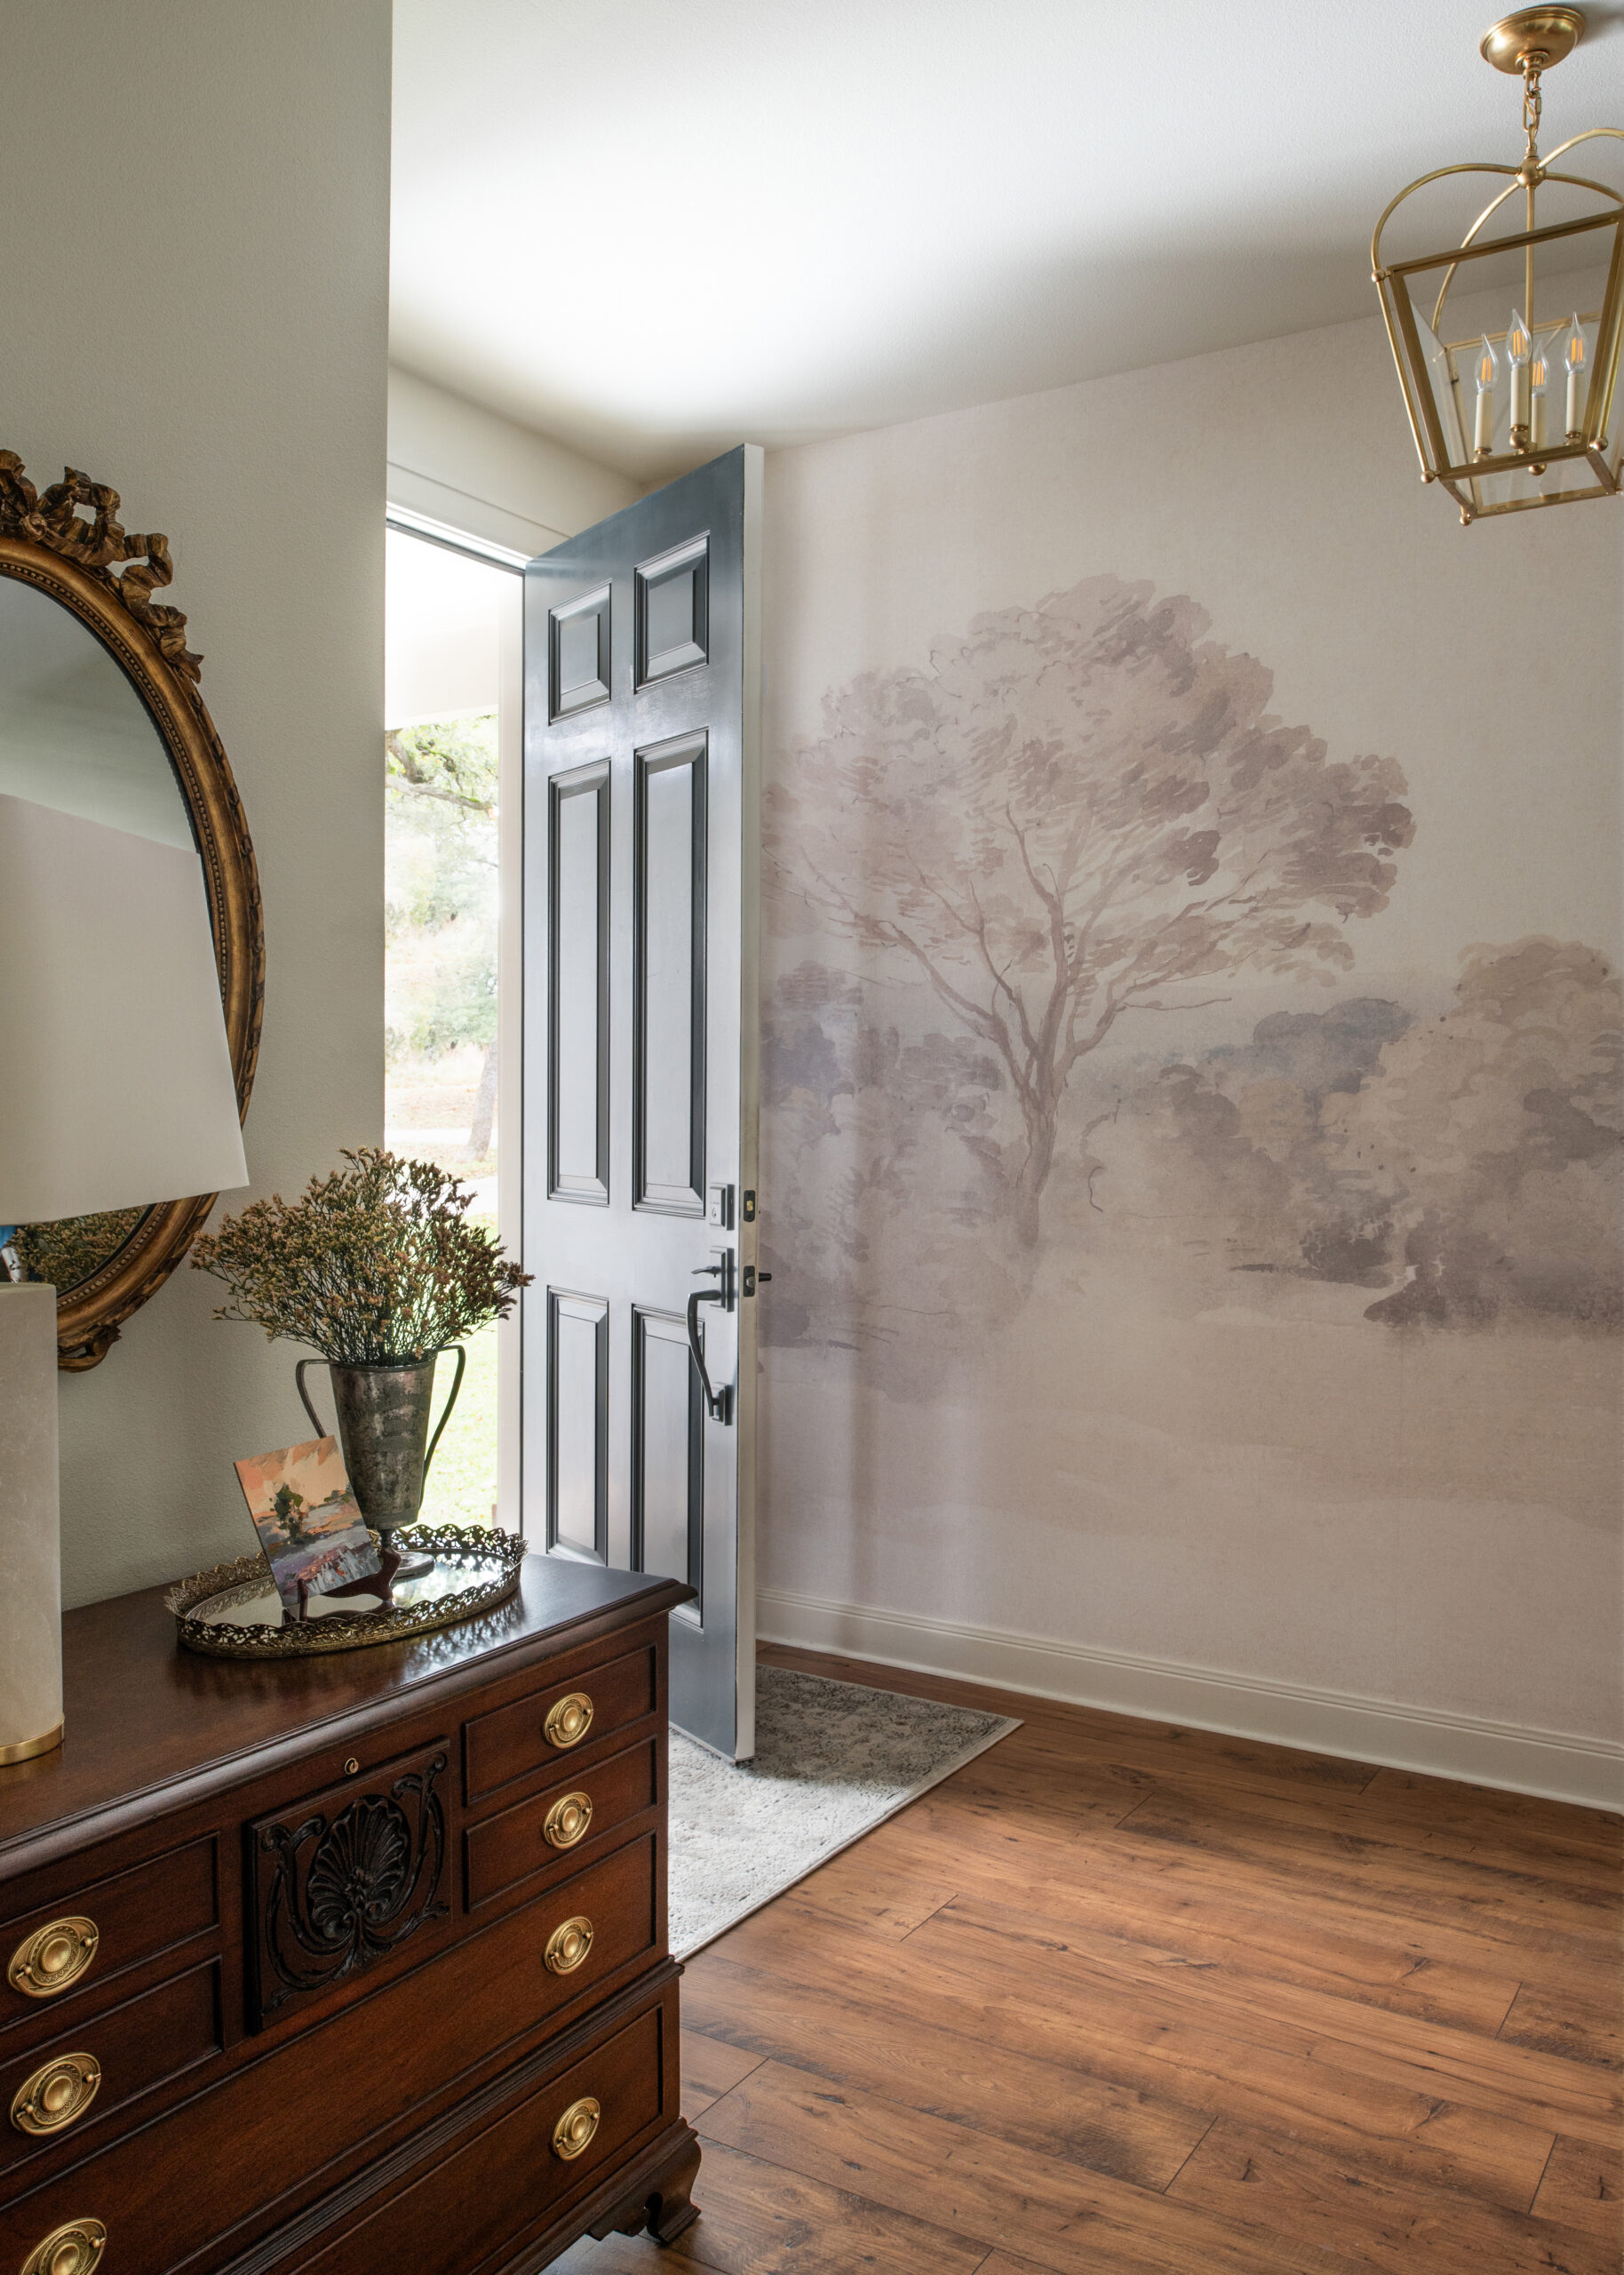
[
  {"x": 1192, "y": 1124},
  {"x": 196, "y": 260}
]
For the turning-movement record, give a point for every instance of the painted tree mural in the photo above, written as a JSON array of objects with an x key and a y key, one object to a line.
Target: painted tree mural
[
  {"x": 1491, "y": 1139},
  {"x": 1080, "y": 811},
  {"x": 1466, "y": 1166}
]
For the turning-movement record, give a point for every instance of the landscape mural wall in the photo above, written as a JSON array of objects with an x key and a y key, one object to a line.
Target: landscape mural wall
[{"x": 1193, "y": 1155}]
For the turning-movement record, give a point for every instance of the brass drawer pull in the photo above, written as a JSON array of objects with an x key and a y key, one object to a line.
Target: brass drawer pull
[
  {"x": 58, "y": 2093},
  {"x": 571, "y": 2134},
  {"x": 54, "y": 1956},
  {"x": 569, "y": 1720},
  {"x": 567, "y": 1945},
  {"x": 73, "y": 2250},
  {"x": 566, "y": 1822}
]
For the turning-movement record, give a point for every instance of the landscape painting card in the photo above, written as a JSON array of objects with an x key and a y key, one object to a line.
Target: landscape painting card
[{"x": 306, "y": 1518}]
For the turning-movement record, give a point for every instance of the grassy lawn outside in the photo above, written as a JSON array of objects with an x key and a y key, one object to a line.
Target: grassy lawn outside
[{"x": 462, "y": 1480}]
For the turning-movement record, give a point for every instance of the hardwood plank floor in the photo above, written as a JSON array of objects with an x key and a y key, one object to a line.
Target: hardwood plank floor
[{"x": 1118, "y": 1998}]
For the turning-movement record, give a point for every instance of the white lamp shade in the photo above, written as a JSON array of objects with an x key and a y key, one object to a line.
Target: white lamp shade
[
  {"x": 30, "y": 1553},
  {"x": 115, "y": 1080}
]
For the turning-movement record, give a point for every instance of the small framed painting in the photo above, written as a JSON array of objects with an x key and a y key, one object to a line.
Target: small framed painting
[{"x": 313, "y": 1534}]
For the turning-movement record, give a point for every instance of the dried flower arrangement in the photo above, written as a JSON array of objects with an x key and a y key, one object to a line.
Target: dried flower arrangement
[{"x": 376, "y": 1265}]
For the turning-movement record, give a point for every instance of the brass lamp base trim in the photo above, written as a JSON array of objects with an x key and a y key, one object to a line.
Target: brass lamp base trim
[
  {"x": 28, "y": 1748},
  {"x": 1540, "y": 36}
]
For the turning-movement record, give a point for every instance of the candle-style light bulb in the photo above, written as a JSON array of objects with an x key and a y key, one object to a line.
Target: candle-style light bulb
[
  {"x": 1573, "y": 356},
  {"x": 1488, "y": 373},
  {"x": 1539, "y": 378},
  {"x": 1519, "y": 348}
]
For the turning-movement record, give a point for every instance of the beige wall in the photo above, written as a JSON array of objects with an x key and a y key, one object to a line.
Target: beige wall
[
  {"x": 1159, "y": 1451},
  {"x": 471, "y": 469},
  {"x": 195, "y": 262}
]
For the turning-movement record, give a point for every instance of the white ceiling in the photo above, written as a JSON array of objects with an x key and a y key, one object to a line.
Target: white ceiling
[{"x": 654, "y": 229}]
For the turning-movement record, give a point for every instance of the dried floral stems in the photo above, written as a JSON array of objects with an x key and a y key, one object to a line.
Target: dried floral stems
[{"x": 376, "y": 1265}]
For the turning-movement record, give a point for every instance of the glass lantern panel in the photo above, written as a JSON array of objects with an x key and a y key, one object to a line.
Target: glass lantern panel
[{"x": 1452, "y": 390}]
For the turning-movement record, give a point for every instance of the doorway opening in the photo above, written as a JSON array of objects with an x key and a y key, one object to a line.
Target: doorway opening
[{"x": 451, "y": 736}]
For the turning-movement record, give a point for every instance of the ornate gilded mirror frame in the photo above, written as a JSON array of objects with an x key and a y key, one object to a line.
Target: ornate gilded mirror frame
[{"x": 68, "y": 543}]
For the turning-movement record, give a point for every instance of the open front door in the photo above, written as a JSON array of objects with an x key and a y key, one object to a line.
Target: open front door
[{"x": 642, "y": 836}]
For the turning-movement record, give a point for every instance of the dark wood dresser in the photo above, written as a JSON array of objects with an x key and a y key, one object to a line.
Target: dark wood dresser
[{"x": 356, "y": 1963}]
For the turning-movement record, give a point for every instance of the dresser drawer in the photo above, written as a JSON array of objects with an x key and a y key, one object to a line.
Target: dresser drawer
[
  {"x": 126, "y": 2051},
  {"x": 57, "y": 1952},
  {"x": 543, "y": 1730},
  {"x": 587, "y": 1928},
  {"x": 217, "y": 2167},
  {"x": 479, "y": 2201},
  {"x": 533, "y": 1834}
]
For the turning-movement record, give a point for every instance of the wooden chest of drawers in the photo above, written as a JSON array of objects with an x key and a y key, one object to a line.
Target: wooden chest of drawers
[{"x": 356, "y": 1963}]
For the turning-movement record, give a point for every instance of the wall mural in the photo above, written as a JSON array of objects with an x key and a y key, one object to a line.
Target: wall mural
[{"x": 1020, "y": 900}]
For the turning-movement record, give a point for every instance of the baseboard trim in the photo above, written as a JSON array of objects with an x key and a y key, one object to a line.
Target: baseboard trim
[{"x": 1590, "y": 1771}]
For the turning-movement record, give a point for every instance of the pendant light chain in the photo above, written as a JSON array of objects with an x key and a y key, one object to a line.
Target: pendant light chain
[{"x": 1533, "y": 64}]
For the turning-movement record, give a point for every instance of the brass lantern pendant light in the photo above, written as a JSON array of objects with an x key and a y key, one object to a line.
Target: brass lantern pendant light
[{"x": 1507, "y": 344}]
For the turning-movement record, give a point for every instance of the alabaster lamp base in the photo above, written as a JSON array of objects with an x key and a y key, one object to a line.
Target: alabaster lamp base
[{"x": 30, "y": 1546}]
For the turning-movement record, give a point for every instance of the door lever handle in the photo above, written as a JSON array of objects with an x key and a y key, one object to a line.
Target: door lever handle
[{"x": 718, "y": 1403}]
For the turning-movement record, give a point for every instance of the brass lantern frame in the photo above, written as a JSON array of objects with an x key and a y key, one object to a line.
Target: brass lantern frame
[{"x": 1529, "y": 43}]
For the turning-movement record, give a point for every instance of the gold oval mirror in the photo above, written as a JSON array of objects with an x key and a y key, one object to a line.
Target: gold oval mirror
[{"x": 100, "y": 716}]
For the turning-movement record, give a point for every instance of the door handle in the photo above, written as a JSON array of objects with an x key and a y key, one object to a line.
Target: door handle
[{"x": 718, "y": 1403}]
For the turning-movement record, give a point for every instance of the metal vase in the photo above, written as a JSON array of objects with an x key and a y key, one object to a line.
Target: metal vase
[{"x": 383, "y": 1415}]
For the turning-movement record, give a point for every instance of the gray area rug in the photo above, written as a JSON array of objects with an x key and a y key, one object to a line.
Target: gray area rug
[{"x": 832, "y": 1761}]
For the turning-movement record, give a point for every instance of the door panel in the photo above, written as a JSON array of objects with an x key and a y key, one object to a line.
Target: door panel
[
  {"x": 673, "y": 595},
  {"x": 578, "y": 654},
  {"x": 669, "y": 978},
  {"x": 667, "y": 1457},
  {"x": 579, "y": 1136},
  {"x": 641, "y": 830},
  {"x": 577, "y": 1425}
]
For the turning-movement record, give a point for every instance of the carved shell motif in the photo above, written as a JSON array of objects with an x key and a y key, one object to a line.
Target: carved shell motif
[
  {"x": 359, "y": 1870},
  {"x": 371, "y": 1881}
]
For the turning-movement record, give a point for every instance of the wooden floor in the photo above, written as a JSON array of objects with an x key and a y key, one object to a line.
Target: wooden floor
[{"x": 1120, "y": 1997}]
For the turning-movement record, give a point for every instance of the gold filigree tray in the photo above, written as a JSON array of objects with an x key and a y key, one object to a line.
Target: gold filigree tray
[{"x": 234, "y": 1612}]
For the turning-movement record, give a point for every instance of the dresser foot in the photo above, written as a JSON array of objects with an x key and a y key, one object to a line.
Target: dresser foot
[
  {"x": 670, "y": 2207},
  {"x": 661, "y": 2203}
]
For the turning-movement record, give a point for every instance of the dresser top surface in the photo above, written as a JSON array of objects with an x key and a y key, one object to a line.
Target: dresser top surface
[{"x": 145, "y": 1717}]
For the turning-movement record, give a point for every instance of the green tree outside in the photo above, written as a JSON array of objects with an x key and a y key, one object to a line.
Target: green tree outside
[
  {"x": 441, "y": 903},
  {"x": 441, "y": 851}
]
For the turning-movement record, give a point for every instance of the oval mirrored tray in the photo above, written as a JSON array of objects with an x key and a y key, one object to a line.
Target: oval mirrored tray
[{"x": 234, "y": 1612}]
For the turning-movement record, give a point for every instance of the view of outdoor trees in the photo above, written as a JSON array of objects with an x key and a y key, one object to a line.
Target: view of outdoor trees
[
  {"x": 440, "y": 902},
  {"x": 441, "y": 1036},
  {"x": 440, "y": 920}
]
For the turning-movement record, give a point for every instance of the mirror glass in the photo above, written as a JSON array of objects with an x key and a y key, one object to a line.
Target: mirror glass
[{"x": 74, "y": 735}]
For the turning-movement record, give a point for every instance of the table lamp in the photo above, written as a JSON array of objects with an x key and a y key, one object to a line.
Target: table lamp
[{"x": 115, "y": 1091}]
